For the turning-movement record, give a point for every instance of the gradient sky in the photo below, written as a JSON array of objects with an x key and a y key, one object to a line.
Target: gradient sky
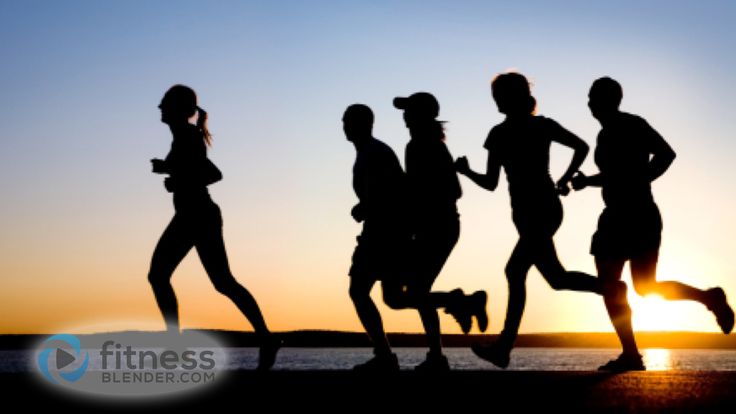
[{"x": 81, "y": 212}]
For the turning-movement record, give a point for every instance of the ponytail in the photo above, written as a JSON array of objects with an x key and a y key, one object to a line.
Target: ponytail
[{"x": 202, "y": 125}]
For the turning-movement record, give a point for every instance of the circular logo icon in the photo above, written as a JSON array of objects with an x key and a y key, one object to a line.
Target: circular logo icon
[{"x": 65, "y": 363}]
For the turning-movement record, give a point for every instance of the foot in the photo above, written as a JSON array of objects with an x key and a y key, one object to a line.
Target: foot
[
  {"x": 460, "y": 311},
  {"x": 478, "y": 309},
  {"x": 494, "y": 353},
  {"x": 435, "y": 362},
  {"x": 718, "y": 304},
  {"x": 267, "y": 353},
  {"x": 625, "y": 362},
  {"x": 379, "y": 363}
]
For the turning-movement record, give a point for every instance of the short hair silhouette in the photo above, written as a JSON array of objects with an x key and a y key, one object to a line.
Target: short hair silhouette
[
  {"x": 359, "y": 114},
  {"x": 607, "y": 92},
  {"x": 512, "y": 93}
]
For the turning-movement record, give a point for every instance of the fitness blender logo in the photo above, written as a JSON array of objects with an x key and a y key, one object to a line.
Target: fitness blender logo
[
  {"x": 64, "y": 361},
  {"x": 130, "y": 364}
]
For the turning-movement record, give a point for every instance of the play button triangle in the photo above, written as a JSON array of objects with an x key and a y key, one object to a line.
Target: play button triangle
[{"x": 63, "y": 358}]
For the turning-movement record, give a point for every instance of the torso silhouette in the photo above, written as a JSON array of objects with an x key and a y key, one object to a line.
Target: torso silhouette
[
  {"x": 622, "y": 155},
  {"x": 522, "y": 147},
  {"x": 379, "y": 183},
  {"x": 189, "y": 169},
  {"x": 433, "y": 183}
]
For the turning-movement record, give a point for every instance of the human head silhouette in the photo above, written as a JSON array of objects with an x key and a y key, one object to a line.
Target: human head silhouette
[
  {"x": 419, "y": 108},
  {"x": 512, "y": 94},
  {"x": 357, "y": 122},
  {"x": 604, "y": 97},
  {"x": 178, "y": 105}
]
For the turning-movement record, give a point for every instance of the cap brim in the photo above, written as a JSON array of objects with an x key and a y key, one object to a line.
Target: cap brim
[{"x": 401, "y": 103}]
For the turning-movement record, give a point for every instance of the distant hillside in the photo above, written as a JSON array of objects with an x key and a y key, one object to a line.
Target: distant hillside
[{"x": 315, "y": 338}]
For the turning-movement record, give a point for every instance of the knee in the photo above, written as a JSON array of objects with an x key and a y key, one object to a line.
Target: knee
[
  {"x": 644, "y": 288},
  {"x": 227, "y": 285},
  {"x": 393, "y": 300},
  {"x": 159, "y": 279},
  {"x": 514, "y": 276},
  {"x": 358, "y": 295},
  {"x": 399, "y": 297},
  {"x": 557, "y": 282}
]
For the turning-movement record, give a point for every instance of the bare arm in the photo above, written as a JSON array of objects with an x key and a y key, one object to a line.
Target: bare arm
[
  {"x": 663, "y": 155},
  {"x": 580, "y": 149},
  {"x": 489, "y": 180}
]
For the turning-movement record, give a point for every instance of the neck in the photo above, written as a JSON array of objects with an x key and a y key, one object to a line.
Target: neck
[
  {"x": 608, "y": 118},
  {"x": 361, "y": 140}
]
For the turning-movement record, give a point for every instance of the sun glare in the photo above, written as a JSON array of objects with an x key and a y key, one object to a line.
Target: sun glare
[
  {"x": 657, "y": 359},
  {"x": 650, "y": 313}
]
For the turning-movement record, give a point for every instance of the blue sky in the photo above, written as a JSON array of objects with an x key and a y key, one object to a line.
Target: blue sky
[{"x": 81, "y": 81}]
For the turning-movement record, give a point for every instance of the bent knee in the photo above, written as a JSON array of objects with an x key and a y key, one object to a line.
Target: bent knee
[
  {"x": 227, "y": 286},
  {"x": 557, "y": 282},
  {"x": 645, "y": 288},
  {"x": 157, "y": 279},
  {"x": 397, "y": 299},
  {"x": 358, "y": 294}
]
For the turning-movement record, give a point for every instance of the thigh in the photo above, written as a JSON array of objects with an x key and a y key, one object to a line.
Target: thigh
[
  {"x": 546, "y": 260},
  {"x": 430, "y": 250},
  {"x": 644, "y": 267},
  {"x": 521, "y": 260},
  {"x": 361, "y": 286},
  {"x": 172, "y": 247},
  {"x": 211, "y": 247}
]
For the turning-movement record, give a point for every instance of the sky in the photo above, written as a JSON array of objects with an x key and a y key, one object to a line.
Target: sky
[{"x": 81, "y": 211}]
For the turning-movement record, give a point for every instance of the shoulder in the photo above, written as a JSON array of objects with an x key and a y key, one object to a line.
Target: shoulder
[
  {"x": 633, "y": 120},
  {"x": 544, "y": 122},
  {"x": 380, "y": 149},
  {"x": 498, "y": 131}
]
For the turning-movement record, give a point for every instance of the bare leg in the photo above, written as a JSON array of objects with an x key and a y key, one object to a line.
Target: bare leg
[
  {"x": 516, "y": 271},
  {"x": 211, "y": 250},
  {"x": 360, "y": 289},
  {"x": 171, "y": 249},
  {"x": 616, "y": 303},
  {"x": 558, "y": 278},
  {"x": 644, "y": 277}
]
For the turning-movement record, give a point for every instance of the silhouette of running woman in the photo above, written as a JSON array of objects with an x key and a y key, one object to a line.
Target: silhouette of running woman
[
  {"x": 521, "y": 144},
  {"x": 630, "y": 154},
  {"x": 380, "y": 185},
  {"x": 434, "y": 189},
  {"x": 197, "y": 220}
]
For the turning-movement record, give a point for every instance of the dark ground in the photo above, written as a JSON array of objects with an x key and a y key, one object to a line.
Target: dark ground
[{"x": 410, "y": 392}]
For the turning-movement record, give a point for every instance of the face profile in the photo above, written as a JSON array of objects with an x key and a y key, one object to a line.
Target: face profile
[
  {"x": 418, "y": 108},
  {"x": 357, "y": 121},
  {"x": 604, "y": 97}
]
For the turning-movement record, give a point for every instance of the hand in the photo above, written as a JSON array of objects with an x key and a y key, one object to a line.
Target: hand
[
  {"x": 170, "y": 184},
  {"x": 579, "y": 181},
  {"x": 562, "y": 188},
  {"x": 159, "y": 166},
  {"x": 358, "y": 213},
  {"x": 462, "y": 166}
]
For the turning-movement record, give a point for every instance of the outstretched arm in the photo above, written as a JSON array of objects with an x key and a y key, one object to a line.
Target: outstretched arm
[{"x": 489, "y": 180}]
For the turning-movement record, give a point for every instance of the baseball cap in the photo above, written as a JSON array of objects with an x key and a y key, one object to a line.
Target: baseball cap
[{"x": 421, "y": 101}]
